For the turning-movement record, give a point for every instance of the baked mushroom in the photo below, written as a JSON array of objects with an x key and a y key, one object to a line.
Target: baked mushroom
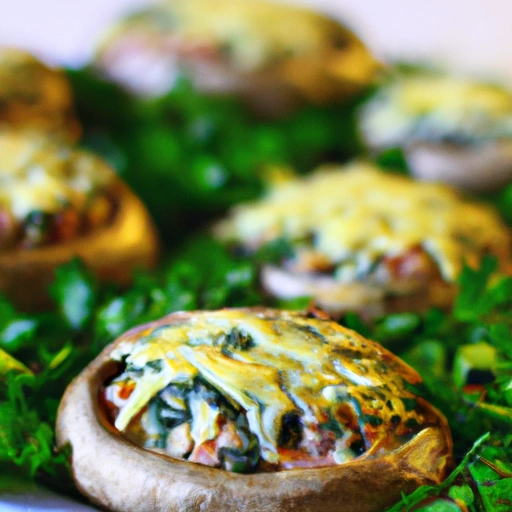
[
  {"x": 250, "y": 410},
  {"x": 57, "y": 203},
  {"x": 451, "y": 129},
  {"x": 359, "y": 239},
  {"x": 35, "y": 97},
  {"x": 271, "y": 54}
]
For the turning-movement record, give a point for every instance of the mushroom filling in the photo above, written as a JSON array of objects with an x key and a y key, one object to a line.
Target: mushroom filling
[
  {"x": 50, "y": 193},
  {"x": 250, "y": 391}
]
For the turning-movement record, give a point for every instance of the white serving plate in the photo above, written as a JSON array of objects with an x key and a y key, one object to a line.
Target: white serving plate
[{"x": 17, "y": 496}]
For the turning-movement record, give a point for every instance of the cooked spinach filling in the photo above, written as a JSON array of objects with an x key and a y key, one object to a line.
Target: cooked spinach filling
[{"x": 247, "y": 390}]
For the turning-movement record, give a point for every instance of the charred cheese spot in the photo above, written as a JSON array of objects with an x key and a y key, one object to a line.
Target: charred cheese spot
[{"x": 302, "y": 389}]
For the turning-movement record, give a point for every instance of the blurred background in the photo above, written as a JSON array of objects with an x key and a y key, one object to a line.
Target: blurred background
[{"x": 467, "y": 35}]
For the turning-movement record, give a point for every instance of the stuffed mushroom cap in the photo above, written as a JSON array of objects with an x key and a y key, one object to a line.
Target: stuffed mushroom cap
[
  {"x": 452, "y": 129},
  {"x": 317, "y": 414},
  {"x": 274, "y": 55},
  {"x": 356, "y": 238},
  {"x": 35, "y": 97},
  {"x": 57, "y": 203}
]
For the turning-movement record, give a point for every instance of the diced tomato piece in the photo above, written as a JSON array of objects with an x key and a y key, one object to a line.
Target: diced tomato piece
[
  {"x": 64, "y": 226},
  {"x": 126, "y": 390},
  {"x": 415, "y": 263},
  {"x": 474, "y": 389},
  {"x": 206, "y": 454}
]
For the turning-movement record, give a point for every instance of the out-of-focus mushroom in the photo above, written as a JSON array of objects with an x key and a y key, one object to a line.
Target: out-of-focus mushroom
[
  {"x": 57, "y": 203},
  {"x": 451, "y": 129},
  {"x": 318, "y": 415},
  {"x": 273, "y": 55},
  {"x": 358, "y": 239}
]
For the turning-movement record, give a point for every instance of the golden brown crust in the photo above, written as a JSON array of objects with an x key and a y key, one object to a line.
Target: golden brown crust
[
  {"x": 121, "y": 476},
  {"x": 112, "y": 253}
]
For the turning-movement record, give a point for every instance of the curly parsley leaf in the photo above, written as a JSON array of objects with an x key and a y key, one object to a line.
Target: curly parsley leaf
[
  {"x": 472, "y": 303},
  {"x": 74, "y": 293}
]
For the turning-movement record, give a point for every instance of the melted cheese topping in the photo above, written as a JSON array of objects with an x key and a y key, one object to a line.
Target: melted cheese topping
[
  {"x": 437, "y": 107},
  {"x": 257, "y": 32},
  {"x": 292, "y": 365},
  {"x": 357, "y": 215},
  {"x": 37, "y": 174},
  {"x": 249, "y": 34}
]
